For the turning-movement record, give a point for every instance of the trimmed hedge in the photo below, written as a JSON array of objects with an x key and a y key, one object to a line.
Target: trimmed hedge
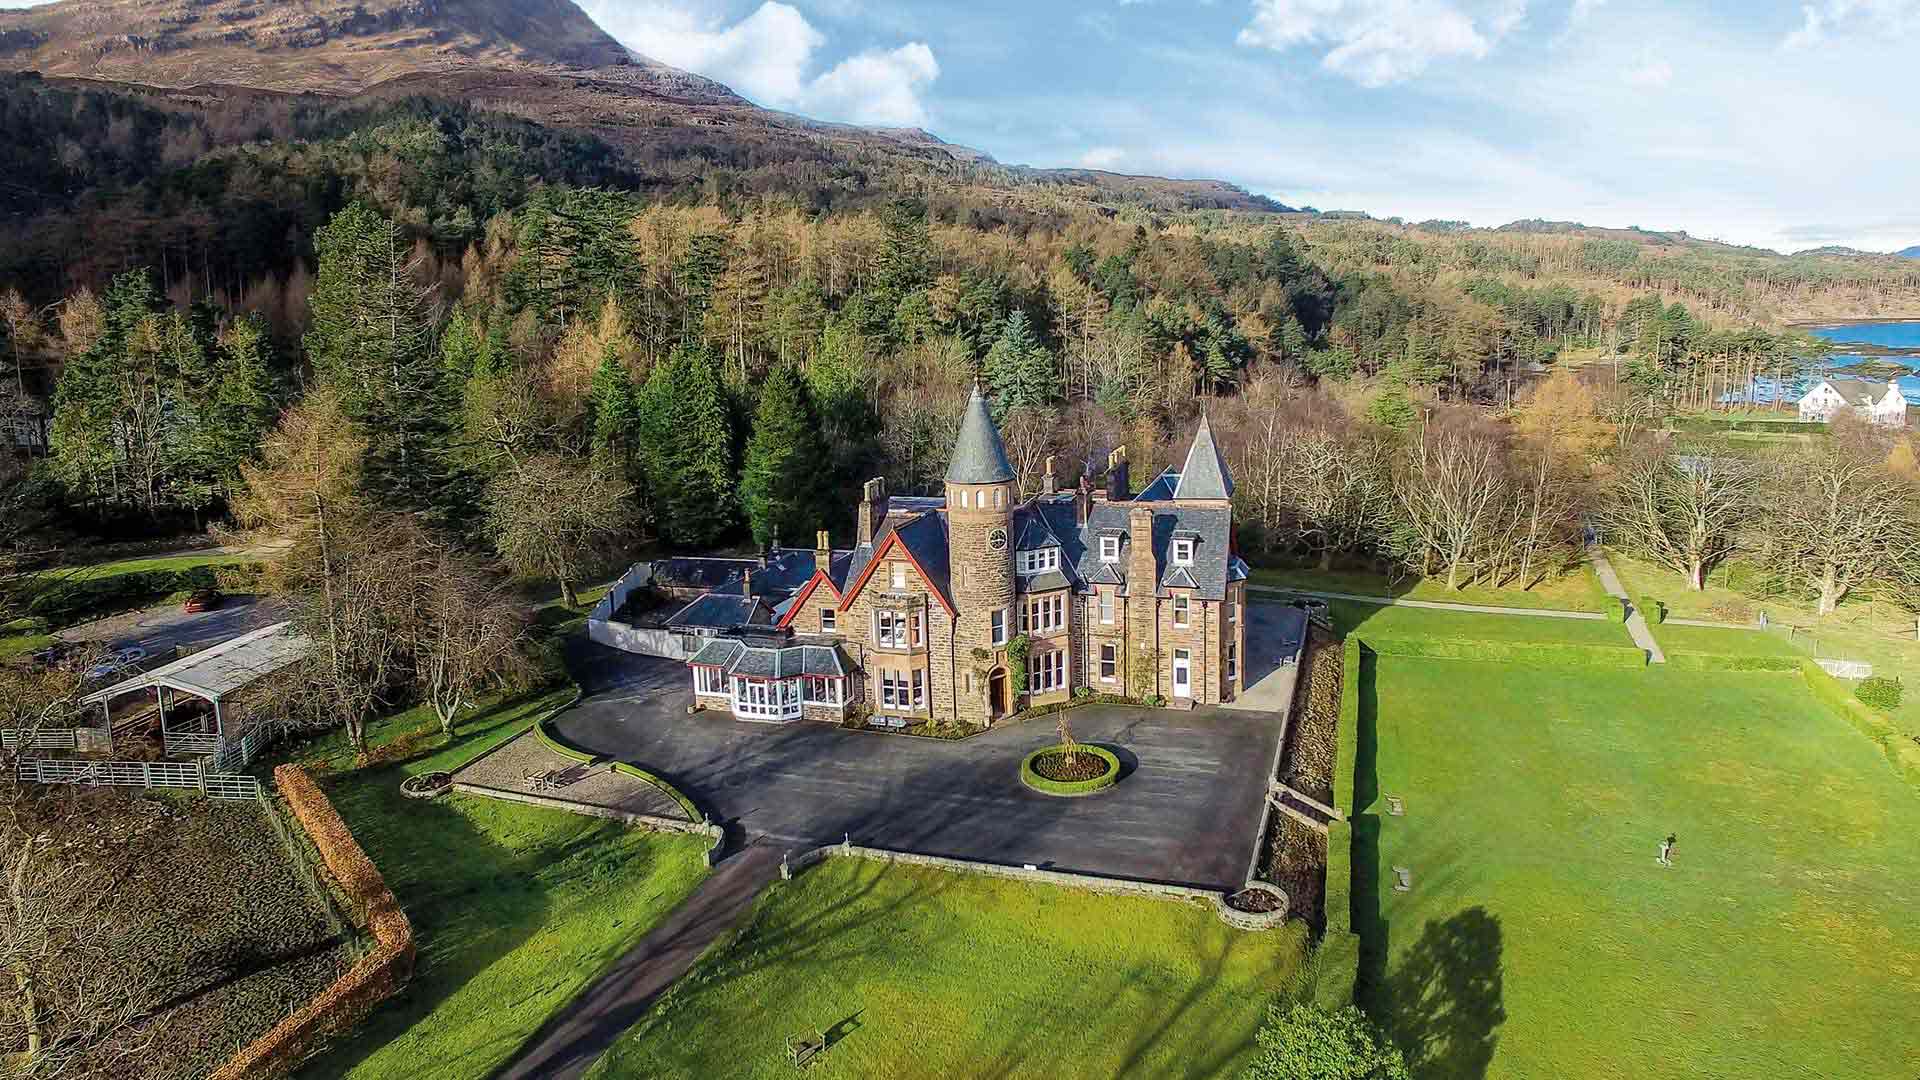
[
  {"x": 377, "y": 976},
  {"x": 1900, "y": 750},
  {"x": 1880, "y": 692},
  {"x": 1336, "y": 960},
  {"x": 554, "y": 743},
  {"x": 1617, "y": 609},
  {"x": 1701, "y": 661},
  {"x": 1529, "y": 653},
  {"x": 1073, "y": 788},
  {"x": 1347, "y": 733}
]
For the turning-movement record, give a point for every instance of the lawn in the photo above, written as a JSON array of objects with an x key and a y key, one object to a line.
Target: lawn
[
  {"x": 1540, "y": 937},
  {"x": 1575, "y": 590},
  {"x": 922, "y": 972},
  {"x": 1351, "y": 615},
  {"x": 516, "y": 908}
]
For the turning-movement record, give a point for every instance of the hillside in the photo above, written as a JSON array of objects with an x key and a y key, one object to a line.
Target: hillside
[{"x": 1909, "y": 253}]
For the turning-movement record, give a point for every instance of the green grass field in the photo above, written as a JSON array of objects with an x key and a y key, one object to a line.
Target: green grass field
[
  {"x": 1575, "y": 590},
  {"x": 1542, "y": 939},
  {"x": 516, "y": 908},
  {"x": 1350, "y": 616},
  {"x": 926, "y": 973}
]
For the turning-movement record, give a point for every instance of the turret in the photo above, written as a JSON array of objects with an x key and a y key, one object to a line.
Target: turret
[{"x": 980, "y": 503}]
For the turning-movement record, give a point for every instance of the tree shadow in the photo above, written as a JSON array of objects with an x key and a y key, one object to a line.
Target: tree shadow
[{"x": 1444, "y": 1001}]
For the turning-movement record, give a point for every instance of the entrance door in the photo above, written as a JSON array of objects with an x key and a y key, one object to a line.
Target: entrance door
[
  {"x": 1182, "y": 673},
  {"x": 997, "y": 693}
]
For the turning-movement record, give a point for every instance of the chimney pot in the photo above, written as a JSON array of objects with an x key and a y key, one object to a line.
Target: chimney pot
[{"x": 1048, "y": 483}]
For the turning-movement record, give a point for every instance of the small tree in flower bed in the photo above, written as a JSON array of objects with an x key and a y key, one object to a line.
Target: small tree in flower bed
[{"x": 1064, "y": 725}]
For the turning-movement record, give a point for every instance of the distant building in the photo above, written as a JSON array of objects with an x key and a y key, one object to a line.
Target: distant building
[
  {"x": 1140, "y": 595},
  {"x": 1874, "y": 402}
]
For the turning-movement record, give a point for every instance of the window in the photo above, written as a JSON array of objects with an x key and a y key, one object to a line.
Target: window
[
  {"x": 1109, "y": 662},
  {"x": 766, "y": 699},
  {"x": 1044, "y": 614},
  {"x": 1233, "y": 662},
  {"x": 825, "y": 690},
  {"x": 1180, "y": 609},
  {"x": 894, "y": 690},
  {"x": 890, "y": 629},
  {"x": 919, "y": 688},
  {"x": 710, "y": 680},
  {"x": 1040, "y": 561},
  {"x": 1106, "y": 608},
  {"x": 999, "y": 497},
  {"x": 1233, "y": 611},
  {"x": 1049, "y": 672},
  {"x": 827, "y": 616},
  {"x": 919, "y": 630},
  {"x": 899, "y": 575},
  {"x": 999, "y": 626},
  {"x": 964, "y": 503},
  {"x": 1109, "y": 549},
  {"x": 1182, "y": 551}
]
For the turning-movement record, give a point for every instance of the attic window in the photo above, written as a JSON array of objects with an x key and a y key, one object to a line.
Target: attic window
[
  {"x": 1109, "y": 549},
  {"x": 1040, "y": 560},
  {"x": 1182, "y": 551}
]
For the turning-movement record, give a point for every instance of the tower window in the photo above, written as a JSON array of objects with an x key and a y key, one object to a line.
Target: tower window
[
  {"x": 999, "y": 496},
  {"x": 999, "y": 621}
]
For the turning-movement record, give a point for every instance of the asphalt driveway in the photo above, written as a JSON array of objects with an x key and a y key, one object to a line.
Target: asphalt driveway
[{"x": 1186, "y": 811}]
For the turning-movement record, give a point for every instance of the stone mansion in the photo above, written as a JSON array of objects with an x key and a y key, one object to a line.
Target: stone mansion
[{"x": 925, "y": 617}]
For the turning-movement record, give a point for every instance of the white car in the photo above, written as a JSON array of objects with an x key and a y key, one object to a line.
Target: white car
[{"x": 121, "y": 660}]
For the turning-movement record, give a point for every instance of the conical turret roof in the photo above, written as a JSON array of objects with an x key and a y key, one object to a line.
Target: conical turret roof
[
  {"x": 1205, "y": 475},
  {"x": 979, "y": 457}
]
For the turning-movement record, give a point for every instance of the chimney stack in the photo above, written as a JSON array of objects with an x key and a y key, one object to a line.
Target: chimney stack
[
  {"x": 1048, "y": 484},
  {"x": 822, "y": 551},
  {"x": 1117, "y": 490},
  {"x": 873, "y": 509},
  {"x": 1143, "y": 570},
  {"x": 1083, "y": 499}
]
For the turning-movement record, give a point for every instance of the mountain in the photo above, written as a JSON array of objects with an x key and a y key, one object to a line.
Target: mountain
[
  {"x": 1909, "y": 253},
  {"x": 542, "y": 60}
]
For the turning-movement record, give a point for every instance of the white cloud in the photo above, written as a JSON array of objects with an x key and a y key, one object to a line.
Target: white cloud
[
  {"x": 1380, "y": 42},
  {"x": 1583, "y": 10},
  {"x": 1651, "y": 73},
  {"x": 1894, "y": 18},
  {"x": 772, "y": 57}
]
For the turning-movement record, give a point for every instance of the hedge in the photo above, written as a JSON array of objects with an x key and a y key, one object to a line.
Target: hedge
[
  {"x": 377, "y": 976},
  {"x": 1336, "y": 960},
  {"x": 1617, "y": 609},
  {"x": 1701, "y": 425},
  {"x": 1530, "y": 653},
  {"x": 1071, "y": 788},
  {"x": 554, "y": 743},
  {"x": 1899, "y": 749},
  {"x": 1347, "y": 732},
  {"x": 1702, "y": 661}
]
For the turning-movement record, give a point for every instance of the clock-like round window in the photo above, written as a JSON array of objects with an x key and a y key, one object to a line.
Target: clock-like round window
[{"x": 997, "y": 539}]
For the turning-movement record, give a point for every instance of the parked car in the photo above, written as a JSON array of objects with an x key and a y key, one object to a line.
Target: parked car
[
  {"x": 203, "y": 600},
  {"x": 122, "y": 660}
]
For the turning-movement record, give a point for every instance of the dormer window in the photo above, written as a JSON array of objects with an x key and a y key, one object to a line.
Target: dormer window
[
  {"x": 1182, "y": 551},
  {"x": 1109, "y": 549},
  {"x": 1040, "y": 560}
]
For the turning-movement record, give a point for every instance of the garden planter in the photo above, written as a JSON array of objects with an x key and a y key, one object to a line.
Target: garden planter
[{"x": 1046, "y": 771}]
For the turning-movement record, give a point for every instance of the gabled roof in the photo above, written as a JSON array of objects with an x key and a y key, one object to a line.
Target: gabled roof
[
  {"x": 719, "y": 611},
  {"x": 924, "y": 539},
  {"x": 979, "y": 457},
  {"x": 1214, "y": 564},
  {"x": 216, "y": 672},
  {"x": 1858, "y": 392},
  {"x": 1205, "y": 475}
]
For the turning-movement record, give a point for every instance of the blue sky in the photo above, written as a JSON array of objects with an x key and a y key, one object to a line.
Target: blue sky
[{"x": 1782, "y": 124}]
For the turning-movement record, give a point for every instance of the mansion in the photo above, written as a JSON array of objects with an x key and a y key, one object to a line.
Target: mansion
[{"x": 928, "y": 615}]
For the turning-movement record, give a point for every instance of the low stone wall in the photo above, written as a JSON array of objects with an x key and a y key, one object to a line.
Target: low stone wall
[
  {"x": 624, "y": 817},
  {"x": 1254, "y": 921},
  {"x": 371, "y": 905}
]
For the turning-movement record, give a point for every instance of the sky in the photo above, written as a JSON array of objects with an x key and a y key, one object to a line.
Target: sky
[{"x": 1780, "y": 124}]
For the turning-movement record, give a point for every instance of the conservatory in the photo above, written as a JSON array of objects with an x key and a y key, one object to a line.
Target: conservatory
[{"x": 772, "y": 683}]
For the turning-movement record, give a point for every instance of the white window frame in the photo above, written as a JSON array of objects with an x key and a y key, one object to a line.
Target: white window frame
[
  {"x": 1040, "y": 560},
  {"x": 825, "y": 690},
  {"x": 999, "y": 497},
  {"x": 890, "y": 628},
  {"x": 1182, "y": 551},
  {"x": 1109, "y": 549},
  {"x": 766, "y": 699},
  {"x": 829, "y": 621},
  {"x": 894, "y": 689},
  {"x": 997, "y": 624},
  {"x": 1047, "y": 672},
  {"x": 1106, "y": 607},
  {"x": 1182, "y": 610},
  {"x": 1182, "y": 663},
  {"x": 919, "y": 679},
  {"x": 1109, "y": 662},
  {"x": 1233, "y": 611},
  {"x": 1233, "y": 661},
  {"x": 919, "y": 625},
  {"x": 711, "y": 681},
  {"x": 898, "y": 575},
  {"x": 1046, "y": 614}
]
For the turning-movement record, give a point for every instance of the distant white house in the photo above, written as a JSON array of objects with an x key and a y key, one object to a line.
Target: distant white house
[{"x": 1874, "y": 402}]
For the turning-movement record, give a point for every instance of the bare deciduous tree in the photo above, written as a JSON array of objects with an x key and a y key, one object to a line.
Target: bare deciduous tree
[
  {"x": 1685, "y": 512},
  {"x": 1450, "y": 487},
  {"x": 472, "y": 637},
  {"x": 552, "y": 514},
  {"x": 1840, "y": 520}
]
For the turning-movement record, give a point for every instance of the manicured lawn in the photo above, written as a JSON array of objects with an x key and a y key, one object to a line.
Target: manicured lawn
[
  {"x": 1575, "y": 590},
  {"x": 1351, "y": 615},
  {"x": 921, "y": 972},
  {"x": 1719, "y": 641},
  {"x": 1542, "y": 939},
  {"x": 516, "y": 908}
]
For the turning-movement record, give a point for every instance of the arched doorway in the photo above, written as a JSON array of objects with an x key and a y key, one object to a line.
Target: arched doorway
[{"x": 997, "y": 692}]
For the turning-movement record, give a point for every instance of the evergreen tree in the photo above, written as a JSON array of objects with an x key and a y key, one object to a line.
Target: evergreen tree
[
  {"x": 1020, "y": 369},
  {"x": 779, "y": 481},
  {"x": 612, "y": 410},
  {"x": 686, "y": 448},
  {"x": 370, "y": 340}
]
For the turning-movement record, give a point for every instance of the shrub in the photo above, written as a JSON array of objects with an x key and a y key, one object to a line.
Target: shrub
[
  {"x": 1616, "y": 610},
  {"x": 1301, "y": 1042},
  {"x": 1880, "y": 692},
  {"x": 1071, "y": 787},
  {"x": 1531, "y": 653},
  {"x": 1654, "y": 611}
]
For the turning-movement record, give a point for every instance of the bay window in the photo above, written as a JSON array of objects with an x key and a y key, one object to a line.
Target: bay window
[{"x": 1047, "y": 671}]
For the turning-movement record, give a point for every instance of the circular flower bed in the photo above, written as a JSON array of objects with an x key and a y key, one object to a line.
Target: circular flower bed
[
  {"x": 426, "y": 785},
  {"x": 1048, "y": 770}
]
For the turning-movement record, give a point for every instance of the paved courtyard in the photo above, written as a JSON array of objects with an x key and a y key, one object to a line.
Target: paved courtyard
[{"x": 1186, "y": 810}]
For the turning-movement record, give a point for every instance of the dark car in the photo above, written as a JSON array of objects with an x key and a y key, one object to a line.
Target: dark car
[{"x": 203, "y": 600}]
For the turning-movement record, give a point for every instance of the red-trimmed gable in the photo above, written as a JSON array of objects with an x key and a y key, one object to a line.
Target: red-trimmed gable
[{"x": 892, "y": 541}]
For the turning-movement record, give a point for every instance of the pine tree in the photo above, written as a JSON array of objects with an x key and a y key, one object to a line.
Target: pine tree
[
  {"x": 779, "y": 482},
  {"x": 612, "y": 409},
  {"x": 1020, "y": 370},
  {"x": 686, "y": 448}
]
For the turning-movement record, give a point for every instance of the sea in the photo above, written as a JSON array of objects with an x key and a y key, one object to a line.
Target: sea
[{"x": 1891, "y": 335}]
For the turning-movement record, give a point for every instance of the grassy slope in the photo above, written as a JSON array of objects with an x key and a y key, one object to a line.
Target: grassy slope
[
  {"x": 930, "y": 973},
  {"x": 516, "y": 907},
  {"x": 1350, "y": 616},
  {"x": 1577, "y": 590},
  {"x": 1784, "y": 943}
]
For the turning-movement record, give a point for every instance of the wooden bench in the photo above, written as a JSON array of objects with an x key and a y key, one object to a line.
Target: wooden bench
[{"x": 802, "y": 1049}]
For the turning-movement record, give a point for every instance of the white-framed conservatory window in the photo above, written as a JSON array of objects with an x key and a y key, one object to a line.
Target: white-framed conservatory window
[
  {"x": 710, "y": 680},
  {"x": 825, "y": 690},
  {"x": 766, "y": 699}
]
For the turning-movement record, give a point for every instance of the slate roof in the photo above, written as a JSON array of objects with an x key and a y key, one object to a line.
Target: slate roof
[
  {"x": 698, "y": 572},
  {"x": 1858, "y": 392},
  {"x": 926, "y": 537},
  {"x": 1162, "y": 488},
  {"x": 979, "y": 457},
  {"x": 1214, "y": 564},
  {"x": 770, "y": 663},
  {"x": 1205, "y": 475},
  {"x": 719, "y": 611}
]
